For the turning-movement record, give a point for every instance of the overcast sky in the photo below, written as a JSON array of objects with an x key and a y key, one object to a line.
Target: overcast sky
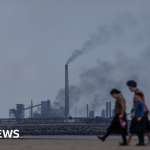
[{"x": 38, "y": 36}]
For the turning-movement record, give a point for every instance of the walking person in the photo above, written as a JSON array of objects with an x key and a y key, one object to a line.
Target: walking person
[
  {"x": 139, "y": 122},
  {"x": 119, "y": 123},
  {"x": 133, "y": 88}
]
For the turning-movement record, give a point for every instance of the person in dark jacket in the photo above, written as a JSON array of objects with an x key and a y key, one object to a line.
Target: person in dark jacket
[
  {"x": 139, "y": 124},
  {"x": 119, "y": 123},
  {"x": 133, "y": 88}
]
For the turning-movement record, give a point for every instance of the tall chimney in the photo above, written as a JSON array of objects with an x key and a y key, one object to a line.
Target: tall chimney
[
  {"x": 87, "y": 110},
  {"x": 31, "y": 109},
  {"x": 66, "y": 92}
]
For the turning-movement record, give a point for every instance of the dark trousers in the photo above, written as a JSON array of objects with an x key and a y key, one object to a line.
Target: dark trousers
[
  {"x": 123, "y": 136},
  {"x": 141, "y": 137}
]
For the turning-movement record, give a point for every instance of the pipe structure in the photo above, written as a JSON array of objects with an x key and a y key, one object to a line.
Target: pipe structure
[{"x": 32, "y": 106}]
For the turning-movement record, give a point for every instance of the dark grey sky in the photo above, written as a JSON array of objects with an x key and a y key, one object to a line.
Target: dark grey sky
[{"x": 37, "y": 37}]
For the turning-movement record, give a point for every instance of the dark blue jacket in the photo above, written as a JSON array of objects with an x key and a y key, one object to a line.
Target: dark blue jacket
[{"x": 139, "y": 109}]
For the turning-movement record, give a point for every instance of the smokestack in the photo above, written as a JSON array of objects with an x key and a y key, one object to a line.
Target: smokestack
[
  {"x": 87, "y": 111},
  {"x": 66, "y": 91},
  {"x": 31, "y": 109}
]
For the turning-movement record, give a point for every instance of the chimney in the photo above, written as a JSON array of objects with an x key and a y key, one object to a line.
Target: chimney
[
  {"x": 87, "y": 110},
  {"x": 66, "y": 92},
  {"x": 31, "y": 109}
]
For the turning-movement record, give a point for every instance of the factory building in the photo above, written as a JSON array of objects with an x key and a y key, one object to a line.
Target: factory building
[
  {"x": 45, "y": 108},
  {"x": 47, "y": 111},
  {"x": 103, "y": 113},
  {"x": 91, "y": 114},
  {"x": 12, "y": 113},
  {"x": 18, "y": 112}
]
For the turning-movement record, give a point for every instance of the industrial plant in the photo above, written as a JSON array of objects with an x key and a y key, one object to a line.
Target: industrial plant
[
  {"x": 49, "y": 120},
  {"x": 46, "y": 111},
  {"x": 48, "y": 114}
]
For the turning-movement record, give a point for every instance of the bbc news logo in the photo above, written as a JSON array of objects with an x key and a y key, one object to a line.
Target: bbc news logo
[{"x": 9, "y": 134}]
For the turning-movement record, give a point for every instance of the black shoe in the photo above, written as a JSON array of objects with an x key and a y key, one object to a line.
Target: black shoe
[
  {"x": 123, "y": 144},
  {"x": 101, "y": 138},
  {"x": 140, "y": 144}
]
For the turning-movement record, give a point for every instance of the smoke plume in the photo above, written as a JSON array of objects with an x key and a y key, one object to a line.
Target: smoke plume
[
  {"x": 74, "y": 96},
  {"x": 104, "y": 34},
  {"x": 100, "y": 38}
]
